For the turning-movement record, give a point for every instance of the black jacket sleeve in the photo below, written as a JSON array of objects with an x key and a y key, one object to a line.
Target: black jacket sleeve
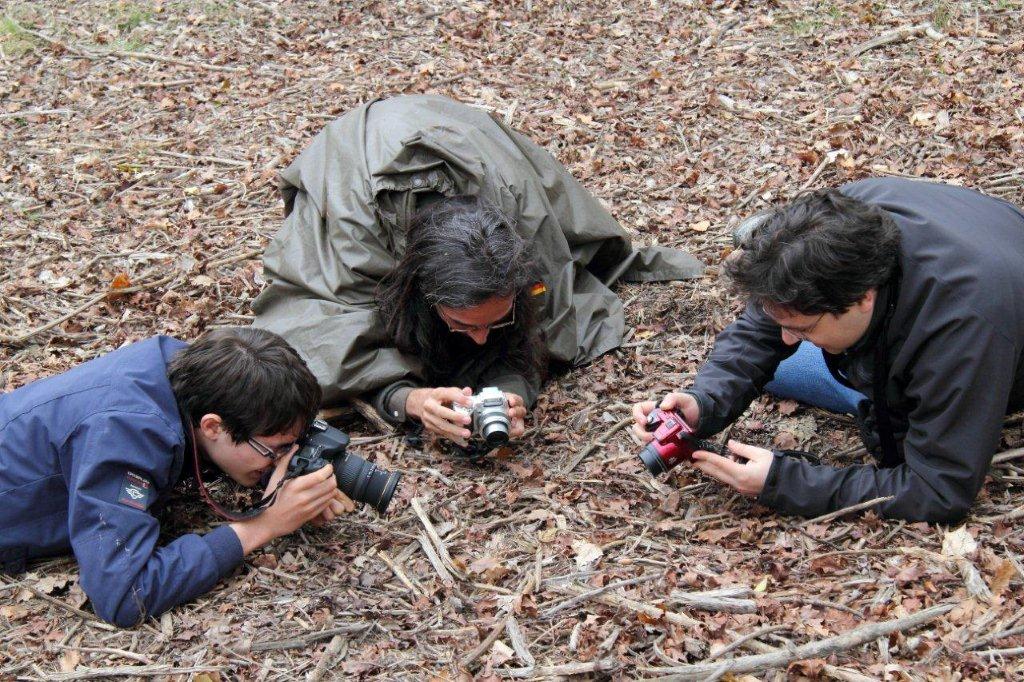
[
  {"x": 744, "y": 359},
  {"x": 958, "y": 390}
]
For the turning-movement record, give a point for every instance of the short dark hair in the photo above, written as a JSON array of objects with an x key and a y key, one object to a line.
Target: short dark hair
[
  {"x": 459, "y": 252},
  {"x": 251, "y": 378},
  {"x": 821, "y": 253}
]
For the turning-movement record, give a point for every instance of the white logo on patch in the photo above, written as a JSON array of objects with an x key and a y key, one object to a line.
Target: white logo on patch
[{"x": 135, "y": 493}]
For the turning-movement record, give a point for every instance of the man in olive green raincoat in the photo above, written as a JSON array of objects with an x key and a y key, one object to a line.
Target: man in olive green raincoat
[{"x": 349, "y": 199}]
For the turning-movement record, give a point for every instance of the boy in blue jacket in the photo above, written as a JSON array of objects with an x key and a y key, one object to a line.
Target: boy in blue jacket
[{"x": 87, "y": 456}]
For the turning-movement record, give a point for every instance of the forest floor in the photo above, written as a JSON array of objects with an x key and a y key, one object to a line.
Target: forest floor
[{"x": 140, "y": 144}]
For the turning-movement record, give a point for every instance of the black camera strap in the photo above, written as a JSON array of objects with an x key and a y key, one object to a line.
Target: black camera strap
[{"x": 241, "y": 515}]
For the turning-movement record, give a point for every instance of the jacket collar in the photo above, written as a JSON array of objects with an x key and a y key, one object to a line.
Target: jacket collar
[{"x": 885, "y": 304}]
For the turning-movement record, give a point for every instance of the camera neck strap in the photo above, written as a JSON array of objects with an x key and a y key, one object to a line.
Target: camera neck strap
[{"x": 241, "y": 515}]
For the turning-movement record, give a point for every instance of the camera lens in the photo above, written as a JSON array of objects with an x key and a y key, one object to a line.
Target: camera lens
[
  {"x": 493, "y": 422},
  {"x": 652, "y": 460},
  {"x": 495, "y": 431},
  {"x": 365, "y": 482}
]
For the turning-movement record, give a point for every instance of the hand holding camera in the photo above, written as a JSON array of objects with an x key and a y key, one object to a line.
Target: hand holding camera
[
  {"x": 458, "y": 415},
  {"x": 684, "y": 403},
  {"x": 297, "y": 502},
  {"x": 670, "y": 440},
  {"x": 324, "y": 448}
]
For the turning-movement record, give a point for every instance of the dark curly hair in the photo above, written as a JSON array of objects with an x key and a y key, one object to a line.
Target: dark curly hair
[
  {"x": 460, "y": 251},
  {"x": 820, "y": 253}
]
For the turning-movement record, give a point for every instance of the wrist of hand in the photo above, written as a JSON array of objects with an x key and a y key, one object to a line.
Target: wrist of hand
[
  {"x": 251, "y": 534},
  {"x": 414, "y": 402}
]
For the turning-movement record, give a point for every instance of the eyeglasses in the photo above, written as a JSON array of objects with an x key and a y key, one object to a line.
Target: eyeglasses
[
  {"x": 801, "y": 333},
  {"x": 466, "y": 329},
  {"x": 270, "y": 453}
]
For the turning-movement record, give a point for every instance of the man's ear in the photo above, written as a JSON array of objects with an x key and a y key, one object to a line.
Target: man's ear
[
  {"x": 211, "y": 426},
  {"x": 867, "y": 302}
]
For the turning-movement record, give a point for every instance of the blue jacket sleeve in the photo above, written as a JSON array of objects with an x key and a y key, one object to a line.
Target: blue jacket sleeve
[{"x": 114, "y": 536}]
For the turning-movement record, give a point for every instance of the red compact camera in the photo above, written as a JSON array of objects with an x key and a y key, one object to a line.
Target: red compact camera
[{"x": 673, "y": 442}]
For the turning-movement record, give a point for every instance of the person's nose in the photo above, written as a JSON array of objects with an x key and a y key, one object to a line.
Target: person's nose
[
  {"x": 479, "y": 336},
  {"x": 789, "y": 339}
]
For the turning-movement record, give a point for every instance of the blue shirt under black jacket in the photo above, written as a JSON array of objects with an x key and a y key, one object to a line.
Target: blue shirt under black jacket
[{"x": 84, "y": 456}]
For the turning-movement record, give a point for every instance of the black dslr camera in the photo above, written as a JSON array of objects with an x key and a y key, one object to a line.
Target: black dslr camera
[{"x": 362, "y": 481}]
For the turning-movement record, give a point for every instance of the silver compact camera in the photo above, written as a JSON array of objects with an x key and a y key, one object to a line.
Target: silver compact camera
[{"x": 489, "y": 410}]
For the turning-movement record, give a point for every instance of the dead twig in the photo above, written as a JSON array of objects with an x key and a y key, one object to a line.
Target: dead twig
[
  {"x": 370, "y": 414},
  {"x": 1007, "y": 455},
  {"x": 488, "y": 641},
  {"x": 67, "y": 607},
  {"x": 399, "y": 573},
  {"x": 302, "y": 641},
  {"x": 898, "y": 36},
  {"x": 22, "y": 338},
  {"x": 333, "y": 650},
  {"x": 442, "y": 549},
  {"x": 650, "y": 610},
  {"x": 819, "y": 649},
  {"x": 579, "y": 599},
  {"x": 737, "y": 643},
  {"x": 606, "y": 665},
  {"x": 131, "y": 671},
  {"x": 209, "y": 159},
  {"x": 601, "y": 441},
  {"x": 146, "y": 56},
  {"x": 728, "y": 599},
  {"x": 825, "y": 518}
]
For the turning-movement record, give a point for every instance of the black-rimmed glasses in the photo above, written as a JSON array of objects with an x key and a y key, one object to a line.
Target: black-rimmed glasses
[
  {"x": 466, "y": 329},
  {"x": 270, "y": 453}
]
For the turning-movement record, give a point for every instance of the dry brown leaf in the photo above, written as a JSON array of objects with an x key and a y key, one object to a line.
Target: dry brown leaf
[
  {"x": 785, "y": 440},
  {"x": 1006, "y": 572}
]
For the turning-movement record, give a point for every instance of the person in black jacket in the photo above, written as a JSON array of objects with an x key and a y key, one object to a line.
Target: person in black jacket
[{"x": 914, "y": 292}]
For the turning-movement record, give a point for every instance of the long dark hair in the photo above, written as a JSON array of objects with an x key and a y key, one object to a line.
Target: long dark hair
[
  {"x": 819, "y": 254},
  {"x": 460, "y": 252}
]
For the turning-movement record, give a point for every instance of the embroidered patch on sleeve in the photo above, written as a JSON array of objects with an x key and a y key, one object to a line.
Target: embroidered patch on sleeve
[{"x": 136, "y": 490}]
